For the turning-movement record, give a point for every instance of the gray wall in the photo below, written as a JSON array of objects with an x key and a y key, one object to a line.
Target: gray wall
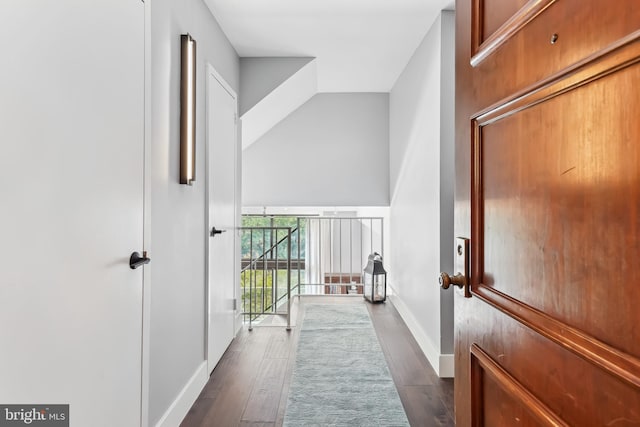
[
  {"x": 332, "y": 151},
  {"x": 260, "y": 76},
  {"x": 178, "y": 219},
  {"x": 421, "y": 177}
]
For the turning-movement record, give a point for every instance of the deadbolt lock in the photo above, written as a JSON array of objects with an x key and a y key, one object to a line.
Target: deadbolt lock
[{"x": 461, "y": 278}]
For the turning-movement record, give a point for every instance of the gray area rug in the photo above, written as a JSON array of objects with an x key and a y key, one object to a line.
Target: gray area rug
[{"x": 340, "y": 377}]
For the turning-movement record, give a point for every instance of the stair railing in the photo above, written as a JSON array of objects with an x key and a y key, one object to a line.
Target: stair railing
[
  {"x": 330, "y": 252},
  {"x": 267, "y": 261}
]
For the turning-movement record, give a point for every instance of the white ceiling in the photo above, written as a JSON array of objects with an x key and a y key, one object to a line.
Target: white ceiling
[{"x": 360, "y": 45}]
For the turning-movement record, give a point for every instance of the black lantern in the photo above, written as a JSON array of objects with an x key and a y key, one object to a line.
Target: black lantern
[{"x": 375, "y": 279}]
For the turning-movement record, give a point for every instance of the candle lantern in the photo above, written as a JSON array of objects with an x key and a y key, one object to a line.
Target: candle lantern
[{"x": 375, "y": 279}]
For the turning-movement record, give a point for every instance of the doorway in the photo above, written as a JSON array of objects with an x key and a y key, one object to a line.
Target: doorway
[{"x": 222, "y": 215}]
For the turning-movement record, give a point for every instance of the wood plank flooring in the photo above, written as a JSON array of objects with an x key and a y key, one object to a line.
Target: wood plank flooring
[{"x": 249, "y": 387}]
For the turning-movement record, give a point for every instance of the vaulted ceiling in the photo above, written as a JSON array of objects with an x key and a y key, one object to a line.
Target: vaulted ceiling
[{"x": 360, "y": 45}]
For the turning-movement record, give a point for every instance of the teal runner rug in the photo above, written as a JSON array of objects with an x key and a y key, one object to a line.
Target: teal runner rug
[{"x": 340, "y": 376}]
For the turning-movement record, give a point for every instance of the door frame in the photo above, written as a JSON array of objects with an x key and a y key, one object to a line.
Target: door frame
[
  {"x": 146, "y": 222},
  {"x": 211, "y": 72}
]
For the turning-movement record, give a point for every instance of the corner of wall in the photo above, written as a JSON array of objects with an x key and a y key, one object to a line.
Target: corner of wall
[
  {"x": 422, "y": 196},
  {"x": 185, "y": 399},
  {"x": 178, "y": 213},
  {"x": 443, "y": 364},
  {"x": 447, "y": 174}
]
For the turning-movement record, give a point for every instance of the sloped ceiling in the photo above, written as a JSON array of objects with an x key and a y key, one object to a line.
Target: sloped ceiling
[
  {"x": 279, "y": 103},
  {"x": 359, "y": 45}
]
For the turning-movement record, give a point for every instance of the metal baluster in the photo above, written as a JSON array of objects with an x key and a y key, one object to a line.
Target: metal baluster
[
  {"x": 264, "y": 267},
  {"x": 340, "y": 275},
  {"x": 289, "y": 281},
  {"x": 330, "y": 252},
  {"x": 382, "y": 238},
  {"x": 299, "y": 240},
  {"x": 251, "y": 268},
  {"x": 361, "y": 253},
  {"x": 371, "y": 236},
  {"x": 350, "y": 252},
  {"x": 274, "y": 277},
  {"x": 320, "y": 258}
]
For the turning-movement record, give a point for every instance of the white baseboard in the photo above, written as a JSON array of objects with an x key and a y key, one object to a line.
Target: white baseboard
[
  {"x": 443, "y": 364},
  {"x": 187, "y": 396},
  {"x": 447, "y": 366},
  {"x": 238, "y": 323}
]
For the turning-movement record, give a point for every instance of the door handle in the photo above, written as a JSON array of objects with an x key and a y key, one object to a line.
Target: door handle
[
  {"x": 215, "y": 231},
  {"x": 458, "y": 280},
  {"x": 136, "y": 260},
  {"x": 461, "y": 278}
]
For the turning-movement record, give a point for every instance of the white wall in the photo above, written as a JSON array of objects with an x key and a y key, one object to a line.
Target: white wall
[
  {"x": 447, "y": 174},
  {"x": 332, "y": 151},
  {"x": 421, "y": 178},
  {"x": 178, "y": 234},
  {"x": 260, "y": 76}
]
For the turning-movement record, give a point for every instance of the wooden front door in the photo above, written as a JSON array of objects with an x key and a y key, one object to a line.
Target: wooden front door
[{"x": 548, "y": 190}]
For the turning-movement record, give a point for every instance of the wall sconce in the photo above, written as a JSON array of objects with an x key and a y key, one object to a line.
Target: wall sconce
[{"x": 187, "y": 110}]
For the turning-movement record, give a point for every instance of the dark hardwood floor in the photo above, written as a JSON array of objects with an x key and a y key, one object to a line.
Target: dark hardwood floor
[{"x": 249, "y": 386}]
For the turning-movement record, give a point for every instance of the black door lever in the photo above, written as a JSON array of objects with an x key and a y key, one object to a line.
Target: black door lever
[
  {"x": 136, "y": 260},
  {"x": 215, "y": 231}
]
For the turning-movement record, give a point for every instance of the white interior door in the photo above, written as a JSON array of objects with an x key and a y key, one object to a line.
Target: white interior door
[
  {"x": 71, "y": 190},
  {"x": 221, "y": 177}
]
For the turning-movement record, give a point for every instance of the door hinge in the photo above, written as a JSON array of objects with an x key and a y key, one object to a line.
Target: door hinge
[
  {"x": 235, "y": 118},
  {"x": 235, "y": 304}
]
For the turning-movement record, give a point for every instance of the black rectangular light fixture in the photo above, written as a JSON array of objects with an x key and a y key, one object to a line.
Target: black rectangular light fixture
[{"x": 187, "y": 110}]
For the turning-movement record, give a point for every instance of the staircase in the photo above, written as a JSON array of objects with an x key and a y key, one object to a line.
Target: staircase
[{"x": 285, "y": 256}]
